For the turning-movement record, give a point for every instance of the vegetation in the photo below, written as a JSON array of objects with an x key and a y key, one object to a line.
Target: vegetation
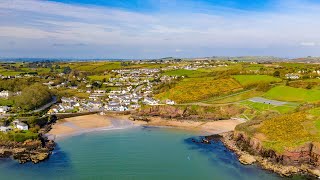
[
  {"x": 286, "y": 93},
  {"x": 32, "y": 97},
  {"x": 196, "y": 89},
  {"x": 186, "y": 73},
  {"x": 251, "y": 80},
  {"x": 287, "y": 131}
]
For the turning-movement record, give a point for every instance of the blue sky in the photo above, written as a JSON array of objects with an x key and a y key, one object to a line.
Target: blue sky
[{"x": 158, "y": 28}]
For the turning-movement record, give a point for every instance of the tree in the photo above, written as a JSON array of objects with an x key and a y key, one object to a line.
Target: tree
[
  {"x": 276, "y": 74},
  {"x": 66, "y": 70},
  {"x": 32, "y": 97}
]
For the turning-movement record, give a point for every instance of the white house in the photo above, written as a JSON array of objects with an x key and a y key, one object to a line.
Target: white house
[
  {"x": 4, "y": 109},
  {"x": 150, "y": 101},
  {"x": 4, "y": 94},
  {"x": 292, "y": 76},
  {"x": 5, "y": 128},
  {"x": 116, "y": 108},
  {"x": 170, "y": 102},
  {"x": 22, "y": 126}
]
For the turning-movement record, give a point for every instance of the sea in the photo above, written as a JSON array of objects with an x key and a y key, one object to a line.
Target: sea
[{"x": 139, "y": 153}]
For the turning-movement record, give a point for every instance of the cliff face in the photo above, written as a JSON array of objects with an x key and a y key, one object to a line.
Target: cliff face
[
  {"x": 307, "y": 154},
  {"x": 191, "y": 112},
  {"x": 30, "y": 150}
]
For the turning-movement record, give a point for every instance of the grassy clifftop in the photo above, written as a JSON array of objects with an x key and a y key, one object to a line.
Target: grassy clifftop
[{"x": 285, "y": 132}]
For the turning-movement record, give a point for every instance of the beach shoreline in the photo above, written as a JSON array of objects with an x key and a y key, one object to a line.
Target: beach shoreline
[{"x": 92, "y": 123}]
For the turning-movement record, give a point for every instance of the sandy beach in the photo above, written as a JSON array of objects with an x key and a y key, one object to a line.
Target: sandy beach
[
  {"x": 78, "y": 124},
  {"x": 95, "y": 122},
  {"x": 203, "y": 127}
]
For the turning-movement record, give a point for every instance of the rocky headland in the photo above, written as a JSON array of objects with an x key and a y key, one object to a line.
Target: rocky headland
[
  {"x": 28, "y": 151},
  {"x": 304, "y": 160}
]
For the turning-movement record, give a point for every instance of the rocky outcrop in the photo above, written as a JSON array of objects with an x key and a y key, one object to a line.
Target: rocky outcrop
[
  {"x": 29, "y": 151},
  {"x": 190, "y": 112},
  {"x": 302, "y": 160},
  {"x": 306, "y": 154}
]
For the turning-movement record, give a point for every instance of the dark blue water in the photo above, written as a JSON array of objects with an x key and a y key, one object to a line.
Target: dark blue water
[{"x": 138, "y": 153}]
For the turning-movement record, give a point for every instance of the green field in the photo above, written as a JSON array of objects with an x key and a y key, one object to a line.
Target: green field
[
  {"x": 184, "y": 72},
  {"x": 286, "y": 93},
  {"x": 234, "y": 97},
  {"x": 99, "y": 78},
  {"x": 196, "y": 89},
  {"x": 267, "y": 107},
  {"x": 6, "y": 102},
  {"x": 247, "y": 80}
]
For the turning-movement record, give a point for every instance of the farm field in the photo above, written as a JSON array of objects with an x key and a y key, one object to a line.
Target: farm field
[
  {"x": 267, "y": 107},
  {"x": 98, "y": 77},
  {"x": 239, "y": 96},
  {"x": 247, "y": 80},
  {"x": 286, "y": 93},
  {"x": 184, "y": 72},
  {"x": 196, "y": 89}
]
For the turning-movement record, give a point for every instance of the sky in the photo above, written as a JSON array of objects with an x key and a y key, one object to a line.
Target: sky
[{"x": 158, "y": 28}]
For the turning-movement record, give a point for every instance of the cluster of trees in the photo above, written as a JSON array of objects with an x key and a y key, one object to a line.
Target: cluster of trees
[
  {"x": 17, "y": 84},
  {"x": 32, "y": 97}
]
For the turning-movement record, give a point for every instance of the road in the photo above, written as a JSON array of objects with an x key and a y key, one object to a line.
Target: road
[{"x": 53, "y": 101}]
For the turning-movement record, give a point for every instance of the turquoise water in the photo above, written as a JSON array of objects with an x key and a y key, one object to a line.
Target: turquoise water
[{"x": 137, "y": 153}]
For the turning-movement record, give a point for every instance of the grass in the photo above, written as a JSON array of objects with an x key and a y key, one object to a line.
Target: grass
[
  {"x": 267, "y": 107},
  {"x": 197, "y": 89},
  {"x": 6, "y": 102},
  {"x": 287, "y": 131},
  {"x": 286, "y": 93},
  {"x": 10, "y": 73},
  {"x": 239, "y": 96},
  {"x": 246, "y": 80},
  {"x": 184, "y": 72},
  {"x": 99, "y": 77},
  {"x": 71, "y": 93}
]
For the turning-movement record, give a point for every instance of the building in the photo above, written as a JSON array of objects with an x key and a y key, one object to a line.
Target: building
[
  {"x": 4, "y": 94},
  {"x": 4, "y": 109},
  {"x": 150, "y": 101},
  {"x": 292, "y": 76},
  {"x": 5, "y": 128},
  {"x": 116, "y": 108},
  {"x": 22, "y": 126},
  {"x": 170, "y": 102}
]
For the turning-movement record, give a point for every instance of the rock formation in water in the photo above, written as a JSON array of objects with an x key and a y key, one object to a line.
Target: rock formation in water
[{"x": 29, "y": 150}]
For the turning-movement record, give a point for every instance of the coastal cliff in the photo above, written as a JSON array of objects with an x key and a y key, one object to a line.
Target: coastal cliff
[
  {"x": 188, "y": 112},
  {"x": 27, "y": 151},
  {"x": 304, "y": 159}
]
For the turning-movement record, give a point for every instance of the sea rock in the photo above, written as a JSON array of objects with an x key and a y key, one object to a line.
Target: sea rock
[
  {"x": 36, "y": 158},
  {"x": 247, "y": 159}
]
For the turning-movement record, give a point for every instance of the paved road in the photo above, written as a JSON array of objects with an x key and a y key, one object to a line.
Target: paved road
[
  {"x": 267, "y": 101},
  {"x": 53, "y": 101}
]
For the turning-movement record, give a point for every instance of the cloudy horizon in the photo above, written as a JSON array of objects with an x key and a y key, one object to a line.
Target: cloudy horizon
[{"x": 158, "y": 28}]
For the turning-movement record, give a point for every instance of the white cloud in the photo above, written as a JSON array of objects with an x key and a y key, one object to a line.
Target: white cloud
[
  {"x": 158, "y": 32},
  {"x": 312, "y": 44}
]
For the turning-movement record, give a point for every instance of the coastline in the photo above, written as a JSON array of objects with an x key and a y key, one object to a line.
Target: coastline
[
  {"x": 203, "y": 127},
  {"x": 224, "y": 128},
  {"x": 246, "y": 158},
  {"x": 92, "y": 123},
  {"x": 85, "y": 124}
]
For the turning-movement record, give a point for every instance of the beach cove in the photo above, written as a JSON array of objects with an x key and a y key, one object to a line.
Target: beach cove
[
  {"x": 94, "y": 122},
  {"x": 136, "y": 153}
]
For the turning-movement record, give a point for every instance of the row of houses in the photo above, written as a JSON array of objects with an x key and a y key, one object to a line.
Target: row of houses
[{"x": 16, "y": 124}]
